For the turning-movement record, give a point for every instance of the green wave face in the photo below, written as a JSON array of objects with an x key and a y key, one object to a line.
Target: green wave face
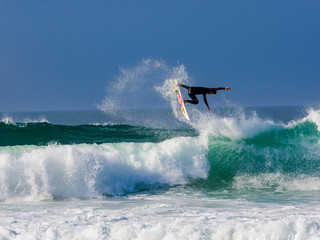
[
  {"x": 289, "y": 152},
  {"x": 45, "y": 133}
]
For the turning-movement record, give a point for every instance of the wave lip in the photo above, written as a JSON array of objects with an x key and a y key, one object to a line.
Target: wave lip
[{"x": 313, "y": 115}]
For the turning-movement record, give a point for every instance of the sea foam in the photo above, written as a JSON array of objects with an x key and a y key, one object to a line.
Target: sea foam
[
  {"x": 6, "y": 119},
  {"x": 313, "y": 115}
]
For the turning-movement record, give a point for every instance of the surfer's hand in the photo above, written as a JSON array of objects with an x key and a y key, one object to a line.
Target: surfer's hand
[
  {"x": 209, "y": 109},
  {"x": 180, "y": 84},
  {"x": 227, "y": 88}
]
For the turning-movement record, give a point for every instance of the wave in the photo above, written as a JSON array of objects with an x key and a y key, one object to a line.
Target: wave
[
  {"x": 272, "y": 158},
  {"x": 243, "y": 153},
  {"x": 86, "y": 171},
  {"x": 44, "y": 133}
]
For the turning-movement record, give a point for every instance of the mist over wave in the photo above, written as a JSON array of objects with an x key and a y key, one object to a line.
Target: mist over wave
[
  {"x": 134, "y": 87},
  {"x": 149, "y": 85}
]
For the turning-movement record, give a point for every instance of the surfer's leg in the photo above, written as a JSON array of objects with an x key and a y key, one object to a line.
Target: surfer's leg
[
  {"x": 192, "y": 96},
  {"x": 194, "y": 99}
]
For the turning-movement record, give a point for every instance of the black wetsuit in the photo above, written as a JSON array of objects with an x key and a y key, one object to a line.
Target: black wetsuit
[{"x": 193, "y": 91}]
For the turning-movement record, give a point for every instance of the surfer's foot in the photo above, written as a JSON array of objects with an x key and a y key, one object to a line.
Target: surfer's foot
[{"x": 184, "y": 101}]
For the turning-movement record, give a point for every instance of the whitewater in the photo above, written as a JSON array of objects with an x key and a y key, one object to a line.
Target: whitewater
[{"x": 115, "y": 173}]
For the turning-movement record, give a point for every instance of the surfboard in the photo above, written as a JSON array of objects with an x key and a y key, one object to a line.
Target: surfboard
[{"x": 182, "y": 107}]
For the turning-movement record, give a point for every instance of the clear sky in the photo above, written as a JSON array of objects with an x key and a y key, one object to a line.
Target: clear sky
[{"x": 61, "y": 55}]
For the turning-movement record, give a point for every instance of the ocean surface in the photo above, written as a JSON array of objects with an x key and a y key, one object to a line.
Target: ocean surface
[{"x": 234, "y": 173}]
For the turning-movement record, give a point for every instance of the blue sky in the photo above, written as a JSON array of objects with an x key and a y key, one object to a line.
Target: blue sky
[{"x": 61, "y": 55}]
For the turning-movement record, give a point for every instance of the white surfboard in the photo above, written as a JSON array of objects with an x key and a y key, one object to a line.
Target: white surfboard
[{"x": 183, "y": 108}]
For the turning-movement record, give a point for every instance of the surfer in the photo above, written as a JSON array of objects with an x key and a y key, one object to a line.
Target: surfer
[{"x": 193, "y": 91}]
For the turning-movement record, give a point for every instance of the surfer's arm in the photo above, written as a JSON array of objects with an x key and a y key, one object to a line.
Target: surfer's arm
[
  {"x": 205, "y": 101},
  {"x": 222, "y": 88},
  {"x": 184, "y": 86}
]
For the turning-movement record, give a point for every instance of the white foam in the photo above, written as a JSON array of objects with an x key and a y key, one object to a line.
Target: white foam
[
  {"x": 39, "y": 120},
  {"x": 7, "y": 120},
  {"x": 236, "y": 126},
  {"x": 240, "y": 125},
  {"x": 86, "y": 171},
  {"x": 279, "y": 182},
  {"x": 160, "y": 217},
  {"x": 312, "y": 116}
]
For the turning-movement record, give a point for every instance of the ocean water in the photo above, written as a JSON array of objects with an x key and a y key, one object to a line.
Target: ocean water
[{"x": 234, "y": 173}]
